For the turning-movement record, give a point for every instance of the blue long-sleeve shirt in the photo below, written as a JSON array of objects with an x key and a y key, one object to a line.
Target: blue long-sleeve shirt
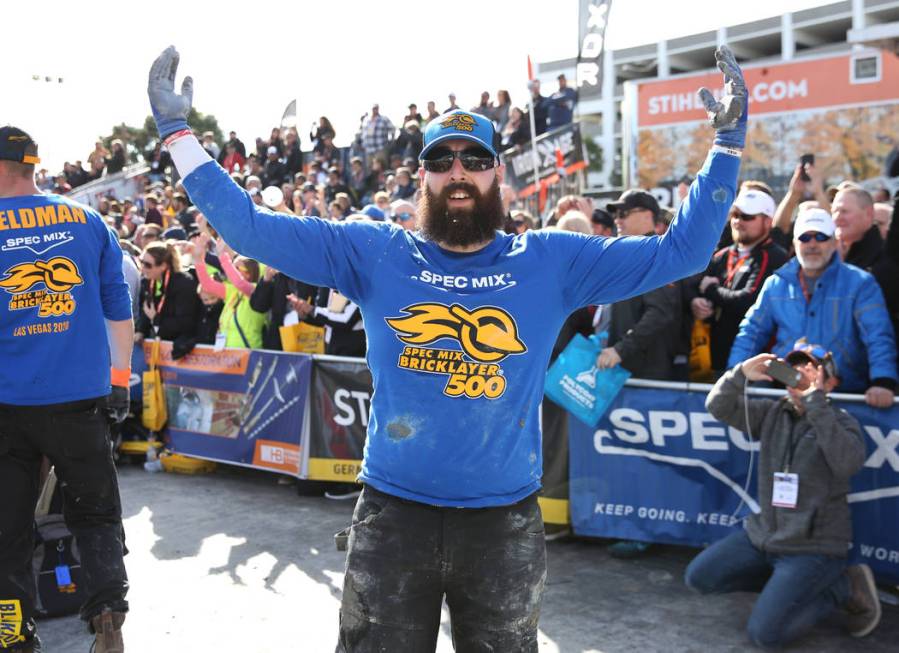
[
  {"x": 458, "y": 344},
  {"x": 60, "y": 276}
]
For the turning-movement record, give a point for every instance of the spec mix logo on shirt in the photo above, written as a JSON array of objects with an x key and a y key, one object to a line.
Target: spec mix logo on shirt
[
  {"x": 487, "y": 335},
  {"x": 58, "y": 276}
]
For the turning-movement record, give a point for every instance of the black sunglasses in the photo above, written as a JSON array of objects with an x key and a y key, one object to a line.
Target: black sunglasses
[
  {"x": 745, "y": 217},
  {"x": 473, "y": 160},
  {"x": 623, "y": 214},
  {"x": 817, "y": 235}
]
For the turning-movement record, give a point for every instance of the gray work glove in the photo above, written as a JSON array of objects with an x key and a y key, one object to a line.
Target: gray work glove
[
  {"x": 728, "y": 117},
  {"x": 169, "y": 109}
]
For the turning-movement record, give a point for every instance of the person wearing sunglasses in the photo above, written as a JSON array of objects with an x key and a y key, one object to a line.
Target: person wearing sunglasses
[
  {"x": 460, "y": 320},
  {"x": 734, "y": 277},
  {"x": 170, "y": 308},
  {"x": 403, "y": 214},
  {"x": 818, "y": 297}
]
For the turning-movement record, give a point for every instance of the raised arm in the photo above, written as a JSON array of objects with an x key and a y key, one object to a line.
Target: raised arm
[
  {"x": 320, "y": 252},
  {"x": 208, "y": 284},
  {"x": 727, "y": 401},
  {"x": 234, "y": 275},
  {"x": 604, "y": 270}
]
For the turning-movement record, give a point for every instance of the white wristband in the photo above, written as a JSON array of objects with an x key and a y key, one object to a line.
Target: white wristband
[
  {"x": 731, "y": 151},
  {"x": 188, "y": 154}
]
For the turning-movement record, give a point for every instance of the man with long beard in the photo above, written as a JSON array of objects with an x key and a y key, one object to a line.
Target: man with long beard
[{"x": 459, "y": 341}]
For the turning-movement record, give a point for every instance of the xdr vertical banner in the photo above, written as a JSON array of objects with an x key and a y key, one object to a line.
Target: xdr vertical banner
[{"x": 593, "y": 16}]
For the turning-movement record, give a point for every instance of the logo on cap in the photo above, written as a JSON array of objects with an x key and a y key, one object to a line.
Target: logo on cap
[{"x": 461, "y": 121}]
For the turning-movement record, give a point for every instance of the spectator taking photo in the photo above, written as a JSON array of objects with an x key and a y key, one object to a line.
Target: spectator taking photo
[{"x": 794, "y": 551}]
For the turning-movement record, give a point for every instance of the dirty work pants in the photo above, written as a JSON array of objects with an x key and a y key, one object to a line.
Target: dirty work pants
[
  {"x": 75, "y": 437},
  {"x": 404, "y": 556},
  {"x": 796, "y": 591}
]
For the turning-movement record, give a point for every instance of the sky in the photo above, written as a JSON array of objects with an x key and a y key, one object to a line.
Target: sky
[{"x": 249, "y": 60}]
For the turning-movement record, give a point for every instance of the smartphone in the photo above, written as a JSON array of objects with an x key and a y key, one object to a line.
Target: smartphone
[
  {"x": 804, "y": 160},
  {"x": 779, "y": 370}
]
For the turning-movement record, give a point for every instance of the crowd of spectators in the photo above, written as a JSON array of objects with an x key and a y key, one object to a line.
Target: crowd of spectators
[
  {"x": 836, "y": 283},
  {"x": 190, "y": 287},
  {"x": 820, "y": 266},
  {"x": 816, "y": 269}
]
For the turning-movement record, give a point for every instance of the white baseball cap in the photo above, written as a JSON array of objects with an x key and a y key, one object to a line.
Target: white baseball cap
[
  {"x": 813, "y": 220},
  {"x": 753, "y": 202}
]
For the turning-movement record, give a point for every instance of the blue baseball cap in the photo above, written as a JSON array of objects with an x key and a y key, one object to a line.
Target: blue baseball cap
[
  {"x": 459, "y": 124},
  {"x": 373, "y": 212},
  {"x": 805, "y": 352}
]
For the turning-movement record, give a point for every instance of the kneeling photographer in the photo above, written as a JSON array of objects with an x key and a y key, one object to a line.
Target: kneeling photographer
[{"x": 794, "y": 551}]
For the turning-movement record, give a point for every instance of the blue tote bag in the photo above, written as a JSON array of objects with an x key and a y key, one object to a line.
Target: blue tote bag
[{"x": 577, "y": 385}]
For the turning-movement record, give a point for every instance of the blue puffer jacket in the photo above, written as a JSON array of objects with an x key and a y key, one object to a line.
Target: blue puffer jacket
[{"x": 847, "y": 316}]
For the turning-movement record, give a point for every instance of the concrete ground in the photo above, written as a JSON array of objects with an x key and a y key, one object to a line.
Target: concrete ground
[{"x": 234, "y": 562}]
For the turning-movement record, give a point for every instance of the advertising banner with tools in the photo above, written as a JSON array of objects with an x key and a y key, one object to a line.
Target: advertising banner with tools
[
  {"x": 237, "y": 406},
  {"x": 659, "y": 468}
]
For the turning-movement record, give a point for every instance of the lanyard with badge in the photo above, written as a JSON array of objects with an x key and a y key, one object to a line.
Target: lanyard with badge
[
  {"x": 158, "y": 297},
  {"x": 804, "y": 288},
  {"x": 733, "y": 267},
  {"x": 785, "y": 493}
]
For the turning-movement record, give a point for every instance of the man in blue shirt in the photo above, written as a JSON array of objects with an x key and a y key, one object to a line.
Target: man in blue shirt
[
  {"x": 561, "y": 104},
  {"x": 61, "y": 287},
  {"x": 459, "y": 341}
]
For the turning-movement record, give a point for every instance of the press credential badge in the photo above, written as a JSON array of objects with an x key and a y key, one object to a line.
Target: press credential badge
[{"x": 786, "y": 490}]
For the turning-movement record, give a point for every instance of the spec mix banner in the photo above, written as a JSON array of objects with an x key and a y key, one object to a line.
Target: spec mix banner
[
  {"x": 659, "y": 468},
  {"x": 236, "y": 405}
]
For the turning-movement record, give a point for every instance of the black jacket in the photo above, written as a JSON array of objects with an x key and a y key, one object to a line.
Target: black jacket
[
  {"x": 238, "y": 146},
  {"x": 581, "y": 321},
  {"x": 272, "y": 296},
  {"x": 880, "y": 258},
  {"x": 346, "y": 337},
  {"x": 274, "y": 173},
  {"x": 644, "y": 330},
  {"x": 294, "y": 161},
  {"x": 180, "y": 312},
  {"x": 331, "y": 191},
  {"x": 208, "y": 324},
  {"x": 739, "y": 285},
  {"x": 116, "y": 163},
  {"x": 541, "y": 111}
]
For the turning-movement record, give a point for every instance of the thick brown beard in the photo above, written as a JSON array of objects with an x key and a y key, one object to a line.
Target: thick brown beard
[{"x": 461, "y": 228}]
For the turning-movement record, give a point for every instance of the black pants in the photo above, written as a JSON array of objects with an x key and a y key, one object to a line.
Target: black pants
[
  {"x": 403, "y": 557},
  {"x": 75, "y": 437}
]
